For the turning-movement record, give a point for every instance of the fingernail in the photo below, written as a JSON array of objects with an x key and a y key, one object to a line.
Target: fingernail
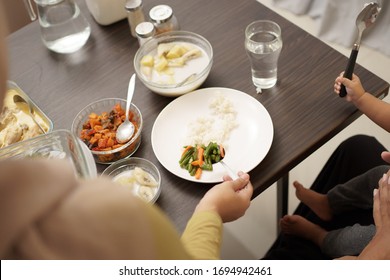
[
  {"x": 375, "y": 192},
  {"x": 384, "y": 178},
  {"x": 243, "y": 175}
]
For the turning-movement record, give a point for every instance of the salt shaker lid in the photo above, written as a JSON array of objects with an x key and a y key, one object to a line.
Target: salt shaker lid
[
  {"x": 132, "y": 5},
  {"x": 160, "y": 13},
  {"x": 145, "y": 29}
]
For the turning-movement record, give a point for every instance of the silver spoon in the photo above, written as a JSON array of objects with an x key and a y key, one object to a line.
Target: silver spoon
[
  {"x": 182, "y": 83},
  {"x": 19, "y": 99},
  {"x": 365, "y": 19},
  {"x": 229, "y": 170},
  {"x": 126, "y": 130}
]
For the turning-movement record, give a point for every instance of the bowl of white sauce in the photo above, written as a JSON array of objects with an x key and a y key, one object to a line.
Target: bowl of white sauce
[{"x": 174, "y": 63}]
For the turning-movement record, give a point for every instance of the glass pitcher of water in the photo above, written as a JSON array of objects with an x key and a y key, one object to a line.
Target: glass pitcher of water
[{"x": 64, "y": 29}]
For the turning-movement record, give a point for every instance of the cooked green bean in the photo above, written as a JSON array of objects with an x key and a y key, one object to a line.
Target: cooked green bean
[{"x": 211, "y": 155}]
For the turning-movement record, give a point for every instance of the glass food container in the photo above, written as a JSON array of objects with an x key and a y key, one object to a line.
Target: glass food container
[{"x": 59, "y": 144}]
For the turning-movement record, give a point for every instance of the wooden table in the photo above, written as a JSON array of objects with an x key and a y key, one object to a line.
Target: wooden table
[{"x": 304, "y": 110}]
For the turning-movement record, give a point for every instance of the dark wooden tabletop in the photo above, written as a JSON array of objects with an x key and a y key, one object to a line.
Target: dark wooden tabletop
[{"x": 305, "y": 111}]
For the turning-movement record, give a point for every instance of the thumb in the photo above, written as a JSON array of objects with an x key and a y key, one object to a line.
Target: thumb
[
  {"x": 346, "y": 82},
  {"x": 241, "y": 182},
  {"x": 386, "y": 156}
]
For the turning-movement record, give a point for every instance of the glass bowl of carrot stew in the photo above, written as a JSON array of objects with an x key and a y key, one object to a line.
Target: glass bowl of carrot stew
[{"x": 96, "y": 126}]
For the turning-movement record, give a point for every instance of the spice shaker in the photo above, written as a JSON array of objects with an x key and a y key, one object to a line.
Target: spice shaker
[
  {"x": 135, "y": 14},
  {"x": 163, "y": 19},
  {"x": 144, "y": 30}
]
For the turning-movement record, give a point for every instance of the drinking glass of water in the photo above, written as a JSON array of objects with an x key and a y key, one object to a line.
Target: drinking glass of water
[{"x": 263, "y": 43}]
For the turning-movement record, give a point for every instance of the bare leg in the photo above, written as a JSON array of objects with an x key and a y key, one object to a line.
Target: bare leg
[
  {"x": 299, "y": 226},
  {"x": 317, "y": 202}
]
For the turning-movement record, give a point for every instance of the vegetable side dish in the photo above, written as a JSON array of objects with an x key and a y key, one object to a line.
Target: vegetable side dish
[
  {"x": 99, "y": 131},
  {"x": 200, "y": 157}
]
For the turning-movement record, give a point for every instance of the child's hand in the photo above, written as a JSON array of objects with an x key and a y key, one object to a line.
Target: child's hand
[{"x": 354, "y": 87}]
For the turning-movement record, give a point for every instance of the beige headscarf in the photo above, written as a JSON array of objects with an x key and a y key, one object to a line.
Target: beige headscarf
[{"x": 46, "y": 213}]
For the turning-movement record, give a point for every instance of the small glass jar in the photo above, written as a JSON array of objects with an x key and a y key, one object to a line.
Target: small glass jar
[
  {"x": 163, "y": 19},
  {"x": 135, "y": 14},
  {"x": 145, "y": 31}
]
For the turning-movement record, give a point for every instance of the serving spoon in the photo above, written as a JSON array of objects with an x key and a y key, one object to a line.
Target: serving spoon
[
  {"x": 21, "y": 100},
  {"x": 365, "y": 19},
  {"x": 126, "y": 130}
]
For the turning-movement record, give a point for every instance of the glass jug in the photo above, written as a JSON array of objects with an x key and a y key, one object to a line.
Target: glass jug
[{"x": 64, "y": 29}]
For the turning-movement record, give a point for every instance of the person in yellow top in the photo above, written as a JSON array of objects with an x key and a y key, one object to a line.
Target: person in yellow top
[{"x": 47, "y": 213}]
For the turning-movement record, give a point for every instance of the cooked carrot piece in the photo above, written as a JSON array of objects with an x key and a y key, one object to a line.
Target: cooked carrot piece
[
  {"x": 93, "y": 116},
  {"x": 200, "y": 155},
  {"x": 186, "y": 149},
  {"x": 222, "y": 150},
  {"x": 98, "y": 127},
  {"x": 118, "y": 108},
  {"x": 198, "y": 173},
  {"x": 97, "y": 136},
  {"x": 110, "y": 142},
  {"x": 102, "y": 143},
  {"x": 93, "y": 140},
  {"x": 94, "y": 122}
]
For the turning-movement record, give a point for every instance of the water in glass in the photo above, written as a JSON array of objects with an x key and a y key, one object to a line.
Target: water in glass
[
  {"x": 263, "y": 47},
  {"x": 64, "y": 29}
]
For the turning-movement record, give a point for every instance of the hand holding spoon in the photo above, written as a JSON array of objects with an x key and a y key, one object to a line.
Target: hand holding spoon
[
  {"x": 365, "y": 19},
  {"x": 126, "y": 130},
  {"x": 228, "y": 169}
]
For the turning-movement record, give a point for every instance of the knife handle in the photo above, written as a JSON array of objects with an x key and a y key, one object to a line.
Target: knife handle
[{"x": 349, "y": 70}]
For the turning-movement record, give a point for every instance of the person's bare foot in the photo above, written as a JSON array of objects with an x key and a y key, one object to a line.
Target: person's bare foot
[
  {"x": 299, "y": 226},
  {"x": 317, "y": 202}
]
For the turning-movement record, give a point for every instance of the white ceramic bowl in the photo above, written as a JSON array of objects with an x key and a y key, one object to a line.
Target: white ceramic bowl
[
  {"x": 201, "y": 65},
  {"x": 124, "y": 167}
]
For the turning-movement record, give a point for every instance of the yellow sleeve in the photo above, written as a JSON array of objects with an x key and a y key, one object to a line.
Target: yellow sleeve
[
  {"x": 166, "y": 239},
  {"x": 202, "y": 236}
]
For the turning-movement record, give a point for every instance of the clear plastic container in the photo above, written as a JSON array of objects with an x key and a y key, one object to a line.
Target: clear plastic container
[{"x": 59, "y": 144}]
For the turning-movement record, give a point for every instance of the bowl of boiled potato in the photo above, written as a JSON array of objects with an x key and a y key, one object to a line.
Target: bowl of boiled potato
[{"x": 174, "y": 63}]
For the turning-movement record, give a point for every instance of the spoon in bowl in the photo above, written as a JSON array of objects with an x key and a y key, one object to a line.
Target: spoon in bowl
[
  {"x": 126, "y": 130},
  {"x": 182, "y": 83},
  {"x": 21, "y": 100}
]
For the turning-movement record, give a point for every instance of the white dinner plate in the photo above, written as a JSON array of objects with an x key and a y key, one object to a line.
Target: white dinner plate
[{"x": 248, "y": 143}]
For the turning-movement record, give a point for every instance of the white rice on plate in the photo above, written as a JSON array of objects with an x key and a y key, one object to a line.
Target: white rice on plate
[{"x": 215, "y": 127}]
